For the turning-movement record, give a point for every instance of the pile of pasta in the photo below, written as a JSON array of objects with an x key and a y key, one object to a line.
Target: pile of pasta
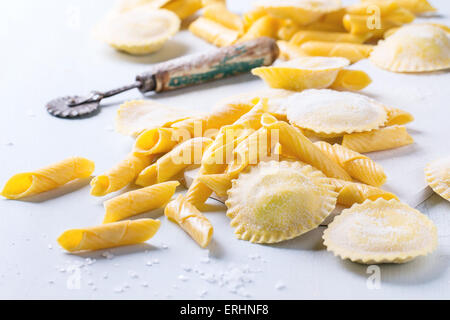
[
  {"x": 281, "y": 160},
  {"x": 327, "y": 29}
]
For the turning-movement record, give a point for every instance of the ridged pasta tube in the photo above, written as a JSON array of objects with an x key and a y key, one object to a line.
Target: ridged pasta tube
[
  {"x": 48, "y": 178},
  {"x": 398, "y": 117},
  {"x": 377, "y": 140},
  {"x": 213, "y": 32},
  {"x": 184, "y": 8},
  {"x": 157, "y": 140},
  {"x": 352, "y": 51},
  {"x": 350, "y": 193},
  {"x": 352, "y": 80},
  {"x": 357, "y": 165},
  {"x": 109, "y": 235},
  {"x": 218, "y": 12},
  {"x": 191, "y": 220},
  {"x": 303, "y": 36},
  {"x": 124, "y": 173},
  {"x": 299, "y": 145},
  {"x": 138, "y": 201},
  {"x": 266, "y": 26},
  {"x": 219, "y": 183},
  {"x": 185, "y": 154}
]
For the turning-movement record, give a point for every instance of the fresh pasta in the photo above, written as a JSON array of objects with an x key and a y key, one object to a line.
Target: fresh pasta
[
  {"x": 185, "y": 154},
  {"x": 124, "y": 173},
  {"x": 299, "y": 145},
  {"x": 138, "y": 201},
  {"x": 357, "y": 165},
  {"x": 31, "y": 183},
  {"x": 191, "y": 220},
  {"x": 218, "y": 12},
  {"x": 377, "y": 140},
  {"x": 109, "y": 235},
  {"x": 157, "y": 140},
  {"x": 213, "y": 32},
  {"x": 352, "y": 51}
]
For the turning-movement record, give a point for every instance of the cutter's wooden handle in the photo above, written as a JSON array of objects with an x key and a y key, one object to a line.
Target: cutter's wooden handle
[{"x": 217, "y": 64}]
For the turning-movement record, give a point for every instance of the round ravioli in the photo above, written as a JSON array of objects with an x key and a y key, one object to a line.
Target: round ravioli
[
  {"x": 138, "y": 31},
  {"x": 414, "y": 48},
  {"x": 380, "y": 231},
  {"x": 302, "y": 12},
  {"x": 276, "y": 201},
  {"x": 437, "y": 174},
  {"x": 302, "y": 73},
  {"x": 333, "y": 113}
]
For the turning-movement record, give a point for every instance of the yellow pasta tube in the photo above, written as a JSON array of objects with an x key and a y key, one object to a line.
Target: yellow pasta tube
[
  {"x": 287, "y": 31},
  {"x": 357, "y": 165},
  {"x": 364, "y": 8},
  {"x": 109, "y": 235},
  {"x": 288, "y": 51},
  {"x": 121, "y": 175},
  {"x": 48, "y": 178},
  {"x": 154, "y": 141},
  {"x": 218, "y": 12},
  {"x": 398, "y": 117},
  {"x": 184, "y": 8},
  {"x": 303, "y": 36},
  {"x": 351, "y": 51},
  {"x": 377, "y": 140},
  {"x": 185, "y": 154},
  {"x": 257, "y": 147},
  {"x": 219, "y": 183},
  {"x": 415, "y": 6},
  {"x": 191, "y": 220},
  {"x": 350, "y": 193},
  {"x": 251, "y": 16},
  {"x": 266, "y": 26},
  {"x": 300, "y": 146},
  {"x": 213, "y": 32},
  {"x": 352, "y": 80},
  {"x": 226, "y": 113},
  {"x": 138, "y": 201}
]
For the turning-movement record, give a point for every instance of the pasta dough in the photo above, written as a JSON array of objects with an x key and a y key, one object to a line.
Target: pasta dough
[
  {"x": 184, "y": 8},
  {"x": 303, "y": 36},
  {"x": 276, "y": 201},
  {"x": 377, "y": 140},
  {"x": 414, "y": 48},
  {"x": 31, "y": 183},
  {"x": 437, "y": 174},
  {"x": 138, "y": 201},
  {"x": 109, "y": 235},
  {"x": 157, "y": 140},
  {"x": 415, "y": 6},
  {"x": 188, "y": 217},
  {"x": 332, "y": 112},
  {"x": 134, "y": 117},
  {"x": 138, "y": 31},
  {"x": 218, "y": 12},
  {"x": 120, "y": 176},
  {"x": 380, "y": 231},
  {"x": 357, "y": 165}
]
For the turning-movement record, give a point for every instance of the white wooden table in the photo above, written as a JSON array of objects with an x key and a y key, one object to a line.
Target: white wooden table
[{"x": 47, "y": 52}]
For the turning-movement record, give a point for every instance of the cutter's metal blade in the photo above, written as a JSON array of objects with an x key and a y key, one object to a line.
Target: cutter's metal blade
[{"x": 60, "y": 107}]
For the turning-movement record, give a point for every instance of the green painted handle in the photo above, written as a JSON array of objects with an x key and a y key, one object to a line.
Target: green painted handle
[{"x": 217, "y": 64}]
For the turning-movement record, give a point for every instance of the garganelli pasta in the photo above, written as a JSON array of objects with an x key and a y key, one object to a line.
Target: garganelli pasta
[
  {"x": 350, "y": 193},
  {"x": 352, "y": 51},
  {"x": 31, "y": 183},
  {"x": 213, "y": 32},
  {"x": 377, "y": 140},
  {"x": 138, "y": 201},
  {"x": 109, "y": 235},
  {"x": 185, "y": 154},
  {"x": 357, "y": 165},
  {"x": 124, "y": 173},
  {"x": 191, "y": 220}
]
